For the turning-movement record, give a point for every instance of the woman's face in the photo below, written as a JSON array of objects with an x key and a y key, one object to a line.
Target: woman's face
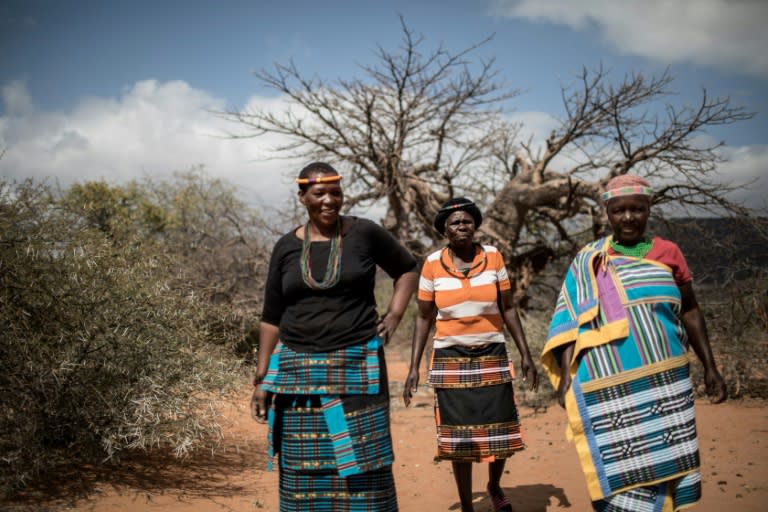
[
  {"x": 628, "y": 216},
  {"x": 323, "y": 202},
  {"x": 460, "y": 229}
]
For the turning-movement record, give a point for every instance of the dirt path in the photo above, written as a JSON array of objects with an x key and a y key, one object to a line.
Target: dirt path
[{"x": 545, "y": 477}]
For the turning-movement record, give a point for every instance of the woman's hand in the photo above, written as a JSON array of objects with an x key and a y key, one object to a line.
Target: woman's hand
[
  {"x": 715, "y": 385},
  {"x": 411, "y": 385},
  {"x": 259, "y": 404},
  {"x": 695, "y": 326},
  {"x": 530, "y": 374},
  {"x": 386, "y": 326}
]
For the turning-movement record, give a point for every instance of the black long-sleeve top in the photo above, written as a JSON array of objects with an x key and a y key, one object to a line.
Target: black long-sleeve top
[{"x": 345, "y": 314}]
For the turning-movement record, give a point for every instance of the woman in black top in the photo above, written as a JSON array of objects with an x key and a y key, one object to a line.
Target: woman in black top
[{"x": 321, "y": 377}]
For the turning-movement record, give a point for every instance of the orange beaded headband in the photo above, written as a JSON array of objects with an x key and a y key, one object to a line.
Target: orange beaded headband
[{"x": 321, "y": 179}]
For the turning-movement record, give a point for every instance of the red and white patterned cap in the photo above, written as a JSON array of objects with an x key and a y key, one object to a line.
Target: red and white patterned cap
[{"x": 627, "y": 185}]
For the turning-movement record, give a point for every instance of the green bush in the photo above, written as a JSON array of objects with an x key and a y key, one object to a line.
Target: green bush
[{"x": 104, "y": 349}]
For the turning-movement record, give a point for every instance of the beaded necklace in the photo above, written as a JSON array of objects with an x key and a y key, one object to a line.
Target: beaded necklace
[
  {"x": 463, "y": 273},
  {"x": 332, "y": 268},
  {"x": 639, "y": 250}
]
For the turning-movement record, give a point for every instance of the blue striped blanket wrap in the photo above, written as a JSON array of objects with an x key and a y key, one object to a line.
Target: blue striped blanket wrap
[{"x": 630, "y": 405}]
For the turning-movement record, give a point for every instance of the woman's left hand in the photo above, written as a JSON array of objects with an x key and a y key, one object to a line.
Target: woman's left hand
[{"x": 530, "y": 374}]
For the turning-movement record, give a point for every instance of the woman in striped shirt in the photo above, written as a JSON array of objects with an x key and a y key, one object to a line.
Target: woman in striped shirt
[{"x": 465, "y": 291}]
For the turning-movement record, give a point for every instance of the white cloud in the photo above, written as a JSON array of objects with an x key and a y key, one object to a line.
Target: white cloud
[
  {"x": 536, "y": 126},
  {"x": 152, "y": 129},
  {"x": 725, "y": 34},
  {"x": 747, "y": 165},
  {"x": 16, "y": 98}
]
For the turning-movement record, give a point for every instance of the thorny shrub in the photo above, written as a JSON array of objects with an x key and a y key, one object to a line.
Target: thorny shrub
[
  {"x": 100, "y": 353},
  {"x": 737, "y": 321}
]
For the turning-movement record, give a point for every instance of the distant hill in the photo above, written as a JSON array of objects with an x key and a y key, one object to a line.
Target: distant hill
[{"x": 718, "y": 250}]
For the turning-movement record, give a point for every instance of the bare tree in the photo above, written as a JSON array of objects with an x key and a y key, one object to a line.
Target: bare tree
[
  {"x": 607, "y": 130},
  {"x": 405, "y": 133},
  {"x": 420, "y": 128}
]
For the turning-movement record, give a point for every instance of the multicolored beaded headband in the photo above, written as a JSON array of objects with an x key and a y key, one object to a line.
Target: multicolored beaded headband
[
  {"x": 321, "y": 179},
  {"x": 633, "y": 190}
]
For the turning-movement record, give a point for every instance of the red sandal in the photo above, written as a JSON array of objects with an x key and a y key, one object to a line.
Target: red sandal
[{"x": 500, "y": 503}]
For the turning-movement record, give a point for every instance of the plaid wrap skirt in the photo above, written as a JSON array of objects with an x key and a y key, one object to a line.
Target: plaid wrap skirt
[
  {"x": 475, "y": 411},
  {"x": 329, "y": 426}
]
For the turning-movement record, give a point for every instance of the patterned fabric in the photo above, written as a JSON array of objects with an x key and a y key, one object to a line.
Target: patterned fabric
[
  {"x": 630, "y": 405},
  {"x": 479, "y": 443},
  {"x": 308, "y": 444},
  {"x": 626, "y": 184},
  {"x": 627, "y": 191},
  {"x": 325, "y": 492},
  {"x": 468, "y": 313},
  {"x": 329, "y": 424},
  {"x": 668, "y": 253},
  {"x": 685, "y": 492},
  {"x": 353, "y": 370},
  {"x": 475, "y": 412},
  {"x": 470, "y": 372}
]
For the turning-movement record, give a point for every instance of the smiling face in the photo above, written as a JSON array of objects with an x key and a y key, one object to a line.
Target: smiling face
[
  {"x": 628, "y": 217},
  {"x": 460, "y": 229},
  {"x": 323, "y": 202}
]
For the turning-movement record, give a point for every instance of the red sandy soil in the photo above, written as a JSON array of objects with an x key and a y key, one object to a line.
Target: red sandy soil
[{"x": 544, "y": 477}]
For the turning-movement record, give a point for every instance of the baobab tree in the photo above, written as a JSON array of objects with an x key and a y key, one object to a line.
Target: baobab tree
[{"x": 419, "y": 127}]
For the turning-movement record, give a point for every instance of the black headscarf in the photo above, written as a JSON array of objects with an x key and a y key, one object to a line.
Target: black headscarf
[{"x": 454, "y": 205}]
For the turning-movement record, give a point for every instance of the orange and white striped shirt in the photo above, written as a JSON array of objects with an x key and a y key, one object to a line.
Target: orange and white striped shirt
[{"x": 467, "y": 309}]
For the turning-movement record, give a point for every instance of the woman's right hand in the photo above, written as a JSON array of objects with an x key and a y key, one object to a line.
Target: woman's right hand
[
  {"x": 715, "y": 385},
  {"x": 411, "y": 385},
  {"x": 259, "y": 404}
]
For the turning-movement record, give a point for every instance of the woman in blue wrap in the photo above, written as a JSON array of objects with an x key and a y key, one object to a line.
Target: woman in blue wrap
[
  {"x": 321, "y": 380},
  {"x": 617, "y": 355}
]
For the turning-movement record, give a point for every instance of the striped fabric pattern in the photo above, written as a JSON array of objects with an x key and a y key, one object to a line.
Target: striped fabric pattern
[
  {"x": 468, "y": 313},
  {"x": 643, "y": 499},
  {"x": 340, "y": 436},
  {"x": 630, "y": 406},
  {"x": 353, "y": 370},
  {"x": 309, "y": 445},
  {"x": 641, "y": 430},
  {"x": 478, "y": 442},
  {"x": 329, "y": 424},
  {"x": 475, "y": 412},
  {"x": 469, "y": 372},
  {"x": 650, "y": 303},
  {"x": 655, "y": 498},
  {"x": 323, "y": 492},
  {"x": 627, "y": 191}
]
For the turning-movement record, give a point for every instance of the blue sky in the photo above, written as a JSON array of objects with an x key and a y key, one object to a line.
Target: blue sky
[{"x": 120, "y": 89}]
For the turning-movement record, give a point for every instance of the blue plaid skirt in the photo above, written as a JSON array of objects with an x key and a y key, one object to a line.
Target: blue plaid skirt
[{"x": 329, "y": 425}]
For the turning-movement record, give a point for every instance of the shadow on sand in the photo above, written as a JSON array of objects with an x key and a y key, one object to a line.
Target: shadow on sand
[
  {"x": 202, "y": 475},
  {"x": 524, "y": 498}
]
